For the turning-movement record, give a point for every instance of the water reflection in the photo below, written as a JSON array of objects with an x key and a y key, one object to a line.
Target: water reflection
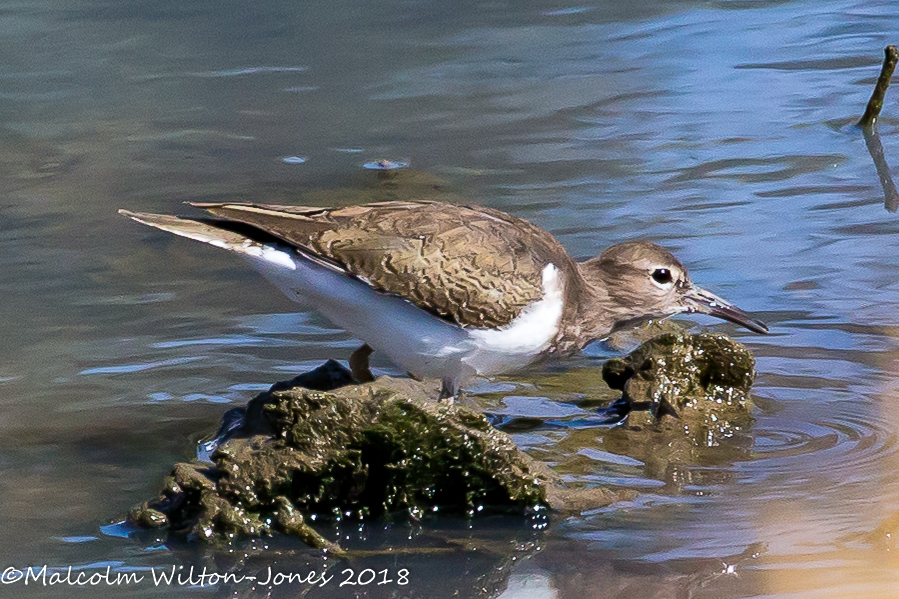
[{"x": 875, "y": 148}]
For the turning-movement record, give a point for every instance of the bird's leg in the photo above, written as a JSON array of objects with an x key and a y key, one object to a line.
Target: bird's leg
[
  {"x": 452, "y": 383},
  {"x": 449, "y": 389},
  {"x": 359, "y": 364}
]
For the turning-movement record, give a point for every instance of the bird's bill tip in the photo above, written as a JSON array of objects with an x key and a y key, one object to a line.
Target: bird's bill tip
[{"x": 701, "y": 301}]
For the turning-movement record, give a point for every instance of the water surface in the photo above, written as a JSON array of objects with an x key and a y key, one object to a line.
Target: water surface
[{"x": 721, "y": 130}]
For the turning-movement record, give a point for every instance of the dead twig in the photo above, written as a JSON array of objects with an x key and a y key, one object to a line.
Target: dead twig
[{"x": 872, "y": 111}]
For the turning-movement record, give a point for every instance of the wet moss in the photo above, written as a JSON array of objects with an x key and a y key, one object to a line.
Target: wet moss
[
  {"x": 322, "y": 445},
  {"x": 360, "y": 451},
  {"x": 703, "y": 380}
]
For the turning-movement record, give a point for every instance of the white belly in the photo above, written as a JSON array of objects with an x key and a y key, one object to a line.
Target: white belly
[{"x": 414, "y": 339}]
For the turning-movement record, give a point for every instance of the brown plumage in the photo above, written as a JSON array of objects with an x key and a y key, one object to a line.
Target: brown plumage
[{"x": 474, "y": 266}]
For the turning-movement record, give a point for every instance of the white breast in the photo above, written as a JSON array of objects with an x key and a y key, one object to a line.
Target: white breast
[{"x": 515, "y": 345}]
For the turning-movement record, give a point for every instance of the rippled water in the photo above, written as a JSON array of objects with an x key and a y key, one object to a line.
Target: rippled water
[{"x": 722, "y": 130}]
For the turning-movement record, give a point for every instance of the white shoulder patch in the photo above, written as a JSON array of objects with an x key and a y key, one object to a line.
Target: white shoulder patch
[{"x": 535, "y": 327}]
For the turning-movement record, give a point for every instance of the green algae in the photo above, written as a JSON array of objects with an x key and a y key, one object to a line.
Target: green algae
[
  {"x": 703, "y": 380},
  {"x": 323, "y": 447},
  {"x": 377, "y": 450},
  {"x": 685, "y": 417}
]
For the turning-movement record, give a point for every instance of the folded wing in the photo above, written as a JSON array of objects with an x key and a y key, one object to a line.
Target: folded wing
[{"x": 470, "y": 265}]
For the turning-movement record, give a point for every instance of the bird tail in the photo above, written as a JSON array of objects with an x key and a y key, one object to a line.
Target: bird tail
[{"x": 192, "y": 229}]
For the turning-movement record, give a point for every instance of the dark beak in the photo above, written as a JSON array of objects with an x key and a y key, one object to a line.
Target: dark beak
[{"x": 699, "y": 300}]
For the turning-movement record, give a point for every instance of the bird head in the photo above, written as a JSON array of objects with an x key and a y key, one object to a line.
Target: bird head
[{"x": 643, "y": 280}]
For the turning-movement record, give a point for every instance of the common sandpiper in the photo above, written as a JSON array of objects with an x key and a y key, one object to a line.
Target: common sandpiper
[{"x": 450, "y": 291}]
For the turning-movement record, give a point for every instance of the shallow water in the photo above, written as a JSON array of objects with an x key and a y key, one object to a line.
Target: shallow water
[{"x": 721, "y": 130}]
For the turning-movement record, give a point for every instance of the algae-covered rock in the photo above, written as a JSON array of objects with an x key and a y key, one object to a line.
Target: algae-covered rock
[
  {"x": 368, "y": 450},
  {"x": 703, "y": 379}
]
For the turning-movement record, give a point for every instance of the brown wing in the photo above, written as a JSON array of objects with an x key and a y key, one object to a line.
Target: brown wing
[{"x": 471, "y": 265}]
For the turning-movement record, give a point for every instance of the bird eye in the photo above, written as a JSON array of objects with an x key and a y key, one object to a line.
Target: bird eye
[{"x": 662, "y": 276}]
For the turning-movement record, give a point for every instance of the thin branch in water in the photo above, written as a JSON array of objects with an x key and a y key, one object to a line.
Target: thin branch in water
[
  {"x": 869, "y": 120},
  {"x": 872, "y": 111}
]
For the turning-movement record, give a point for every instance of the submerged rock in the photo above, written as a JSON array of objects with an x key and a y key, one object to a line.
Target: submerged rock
[
  {"x": 702, "y": 379},
  {"x": 323, "y": 445},
  {"x": 357, "y": 451}
]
